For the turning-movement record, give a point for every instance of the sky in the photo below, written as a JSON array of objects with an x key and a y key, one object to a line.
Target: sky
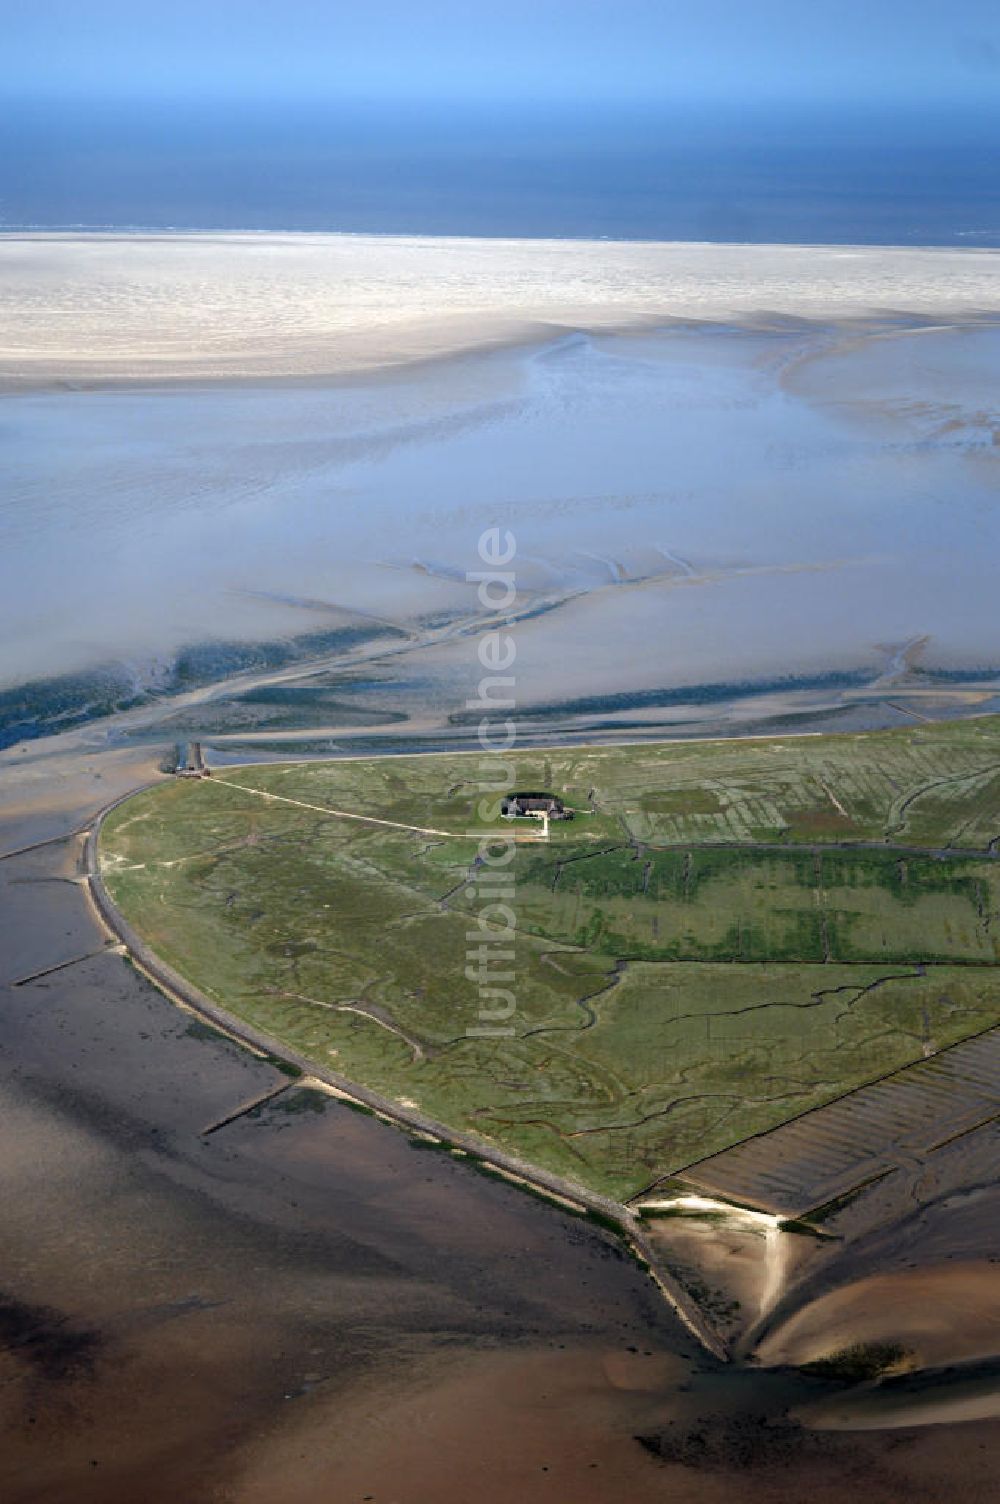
[{"x": 606, "y": 52}]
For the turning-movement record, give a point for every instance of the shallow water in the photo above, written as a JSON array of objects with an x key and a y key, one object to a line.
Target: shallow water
[{"x": 718, "y": 502}]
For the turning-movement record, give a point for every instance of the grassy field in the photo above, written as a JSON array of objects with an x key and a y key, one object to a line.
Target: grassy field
[{"x": 726, "y": 933}]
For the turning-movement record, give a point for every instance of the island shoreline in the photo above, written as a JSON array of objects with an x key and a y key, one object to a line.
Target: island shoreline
[{"x": 613, "y": 1215}]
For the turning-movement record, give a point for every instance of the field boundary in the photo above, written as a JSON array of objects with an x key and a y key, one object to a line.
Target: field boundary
[{"x": 905, "y": 1075}]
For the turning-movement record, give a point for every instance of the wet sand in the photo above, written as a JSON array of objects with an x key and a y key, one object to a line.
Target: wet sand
[
  {"x": 786, "y": 466},
  {"x": 947, "y": 1313},
  {"x": 665, "y": 495},
  {"x": 595, "y": 1428}
]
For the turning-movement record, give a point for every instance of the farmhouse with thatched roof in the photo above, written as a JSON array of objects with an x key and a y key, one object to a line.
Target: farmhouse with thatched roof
[{"x": 513, "y": 805}]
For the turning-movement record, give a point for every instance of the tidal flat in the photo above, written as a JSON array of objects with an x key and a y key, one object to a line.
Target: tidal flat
[{"x": 711, "y": 478}]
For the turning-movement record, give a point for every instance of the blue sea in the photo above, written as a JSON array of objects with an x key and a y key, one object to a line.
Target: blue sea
[{"x": 803, "y": 176}]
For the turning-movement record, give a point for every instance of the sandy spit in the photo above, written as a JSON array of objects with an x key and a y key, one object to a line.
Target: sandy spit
[{"x": 106, "y": 308}]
